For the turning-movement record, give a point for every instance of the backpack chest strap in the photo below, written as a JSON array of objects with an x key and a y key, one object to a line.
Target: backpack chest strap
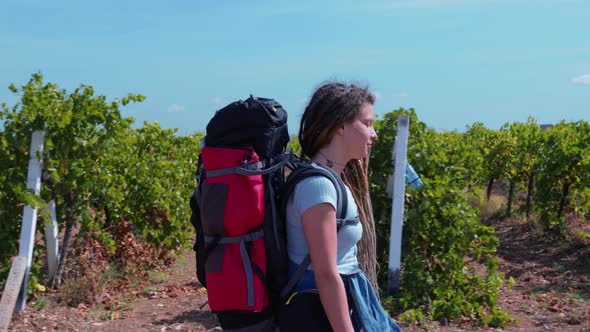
[{"x": 346, "y": 222}]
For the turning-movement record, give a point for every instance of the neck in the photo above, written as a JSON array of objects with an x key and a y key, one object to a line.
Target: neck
[{"x": 329, "y": 160}]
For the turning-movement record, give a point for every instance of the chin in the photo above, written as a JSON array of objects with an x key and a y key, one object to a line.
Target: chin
[{"x": 364, "y": 155}]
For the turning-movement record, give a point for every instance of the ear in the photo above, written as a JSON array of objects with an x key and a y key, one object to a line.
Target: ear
[{"x": 340, "y": 130}]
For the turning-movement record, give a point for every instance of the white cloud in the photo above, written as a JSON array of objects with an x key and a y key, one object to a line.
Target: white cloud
[
  {"x": 584, "y": 79},
  {"x": 175, "y": 108}
]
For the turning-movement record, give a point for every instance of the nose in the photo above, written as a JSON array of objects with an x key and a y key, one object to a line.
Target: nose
[{"x": 373, "y": 134}]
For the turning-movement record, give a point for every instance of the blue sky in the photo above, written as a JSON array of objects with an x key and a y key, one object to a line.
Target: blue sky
[{"x": 454, "y": 61}]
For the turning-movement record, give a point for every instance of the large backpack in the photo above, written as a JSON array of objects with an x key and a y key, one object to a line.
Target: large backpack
[{"x": 244, "y": 180}]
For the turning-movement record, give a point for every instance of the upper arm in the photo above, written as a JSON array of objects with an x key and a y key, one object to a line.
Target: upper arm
[
  {"x": 319, "y": 227},
  {"x": 315, "y": 200}
]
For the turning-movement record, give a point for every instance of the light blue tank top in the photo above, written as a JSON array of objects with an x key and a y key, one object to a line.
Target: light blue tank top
[{"x": 311, "y": 192}]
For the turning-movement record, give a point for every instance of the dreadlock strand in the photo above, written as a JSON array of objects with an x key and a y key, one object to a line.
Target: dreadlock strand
[{"x": 355, "y": 177}]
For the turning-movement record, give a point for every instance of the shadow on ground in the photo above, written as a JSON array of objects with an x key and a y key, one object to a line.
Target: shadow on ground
[
  {"x": 564, "y": 263},
  {"x": 206, "y": 318}
]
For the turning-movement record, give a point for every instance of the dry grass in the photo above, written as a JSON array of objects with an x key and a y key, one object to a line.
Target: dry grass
[{"x": 488, "y": 209}]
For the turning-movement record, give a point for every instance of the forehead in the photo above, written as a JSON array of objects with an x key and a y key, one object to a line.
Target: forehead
[{"x": 366, "y": 112}]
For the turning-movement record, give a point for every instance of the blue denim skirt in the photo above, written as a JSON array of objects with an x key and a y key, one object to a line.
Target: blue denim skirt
[
  {"x": 368, "y": 314},
  {"x": 366, "y": 311}
]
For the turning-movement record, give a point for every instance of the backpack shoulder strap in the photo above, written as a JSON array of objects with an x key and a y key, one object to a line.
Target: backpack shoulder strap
[
  {"x": 300, "y": 173},
  {"x": 199, "y": 246},
  {"x": 305, "y": 170}
]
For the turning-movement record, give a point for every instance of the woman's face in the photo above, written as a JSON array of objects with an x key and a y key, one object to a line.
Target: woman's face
[{"x": 359, "y": 134}]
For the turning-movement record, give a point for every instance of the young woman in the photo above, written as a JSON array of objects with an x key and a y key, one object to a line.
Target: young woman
[{"x": 336, "y": 132}]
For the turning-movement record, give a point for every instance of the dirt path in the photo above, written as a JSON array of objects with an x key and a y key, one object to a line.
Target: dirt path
[
  {"x": 178, "y": 303},
  {"x": 551, "y": 293},
  {"x": 552, "y": 278}
]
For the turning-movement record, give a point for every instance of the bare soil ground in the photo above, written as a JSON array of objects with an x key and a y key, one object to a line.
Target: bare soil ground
[
  {"x": 552, "y": 289},
  {"x": 175, "y": 301},
  {"x": 551, "y": 293}
]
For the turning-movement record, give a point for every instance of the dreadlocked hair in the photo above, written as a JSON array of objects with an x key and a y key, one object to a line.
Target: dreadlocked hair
[
  {"x": 355, "y": 176},
  {"x": 332, "y": 105}
]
